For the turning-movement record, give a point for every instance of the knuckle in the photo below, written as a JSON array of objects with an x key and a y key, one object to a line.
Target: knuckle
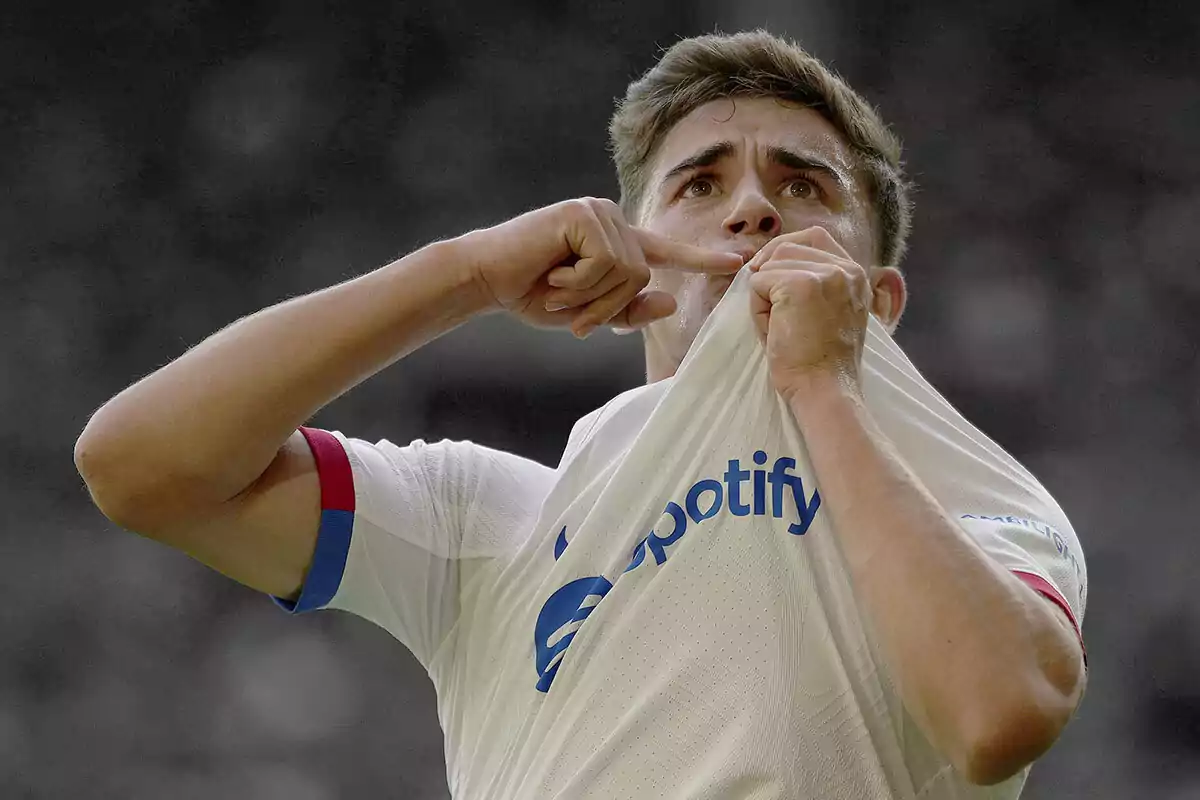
[
  {"x": 800, "y": 281},
  {"x": 770, "y": 248},
  {"x": 577, "y": 209},
  {"x": 812, "y": 236},
  {"x": 600, "y": 205},
  {"x": 783, "y": 251}
]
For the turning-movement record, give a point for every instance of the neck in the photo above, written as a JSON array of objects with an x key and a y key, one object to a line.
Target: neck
[{"x": 659, "y": 363}]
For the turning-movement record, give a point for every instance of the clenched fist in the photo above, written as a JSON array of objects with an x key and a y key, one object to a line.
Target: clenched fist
[{"x": 810, "y": 303}]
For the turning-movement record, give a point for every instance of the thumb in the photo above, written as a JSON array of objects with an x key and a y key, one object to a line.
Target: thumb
[{"x": 642, "y": 310}]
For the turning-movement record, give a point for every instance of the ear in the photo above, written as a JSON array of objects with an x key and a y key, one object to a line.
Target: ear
[{"x": 889, "y": 296}]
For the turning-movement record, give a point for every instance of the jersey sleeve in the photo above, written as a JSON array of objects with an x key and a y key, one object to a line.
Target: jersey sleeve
[
  {"x": 991, "y": 495},
  {"x": 1013, "y": 518},
  {"x": 1046, "y": 557},
  {"x": 1009, "y": 514},
  {"x": 402, "y": 528}
]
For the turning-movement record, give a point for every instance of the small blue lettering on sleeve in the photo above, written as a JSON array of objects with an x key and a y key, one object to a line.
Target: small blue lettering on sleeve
[{"x": 1060, "y": 544}]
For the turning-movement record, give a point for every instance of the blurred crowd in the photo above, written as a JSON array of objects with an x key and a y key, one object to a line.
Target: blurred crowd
[{"x": 168, "y": 167}]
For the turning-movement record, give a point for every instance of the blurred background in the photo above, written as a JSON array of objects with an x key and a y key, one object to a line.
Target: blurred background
[{"x": 168, "y": 167}]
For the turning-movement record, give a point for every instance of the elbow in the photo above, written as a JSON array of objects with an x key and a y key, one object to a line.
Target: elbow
[
  {"x": 120, "y": 488},
  {"x": 143, "y": 487},
  {"x": 1006, "y": 741},
  {"x": 88, "y": 455},
  {"x": 1013, "y": 722},
  {"x": 95, "y": 466}
]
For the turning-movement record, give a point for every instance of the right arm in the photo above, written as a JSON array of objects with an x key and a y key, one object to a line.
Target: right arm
[{"x": 204, "y": 454}]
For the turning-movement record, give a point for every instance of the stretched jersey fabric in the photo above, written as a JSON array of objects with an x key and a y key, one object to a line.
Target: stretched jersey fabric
[{"x": 667, "y": 613}]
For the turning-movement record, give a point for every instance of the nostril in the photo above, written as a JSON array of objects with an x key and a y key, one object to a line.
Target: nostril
[{"x": 766, "y": 224}]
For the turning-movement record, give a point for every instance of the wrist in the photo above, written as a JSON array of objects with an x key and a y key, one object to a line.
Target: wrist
[
  {"x": 813, "y": 393},
  {"x": 462, "y": 258}
]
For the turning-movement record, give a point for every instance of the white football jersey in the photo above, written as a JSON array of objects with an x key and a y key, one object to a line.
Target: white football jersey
[{"x": 667, "y": 613}]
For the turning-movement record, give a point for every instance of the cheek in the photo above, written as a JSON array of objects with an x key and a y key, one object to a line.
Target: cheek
[
  {"x": 859, "y": 242},
  {"x": 684, "y": 223},
  {"x": 850, "y": 231},
  {"x": 857, "y": 234}
]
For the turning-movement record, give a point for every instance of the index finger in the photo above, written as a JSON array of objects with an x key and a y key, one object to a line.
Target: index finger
[{"x": 667, "y": 253}]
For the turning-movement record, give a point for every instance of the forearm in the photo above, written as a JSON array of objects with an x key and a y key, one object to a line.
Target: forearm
[
  {"x": 208, "y": 424},
  {"x": 974, "y": 653}
]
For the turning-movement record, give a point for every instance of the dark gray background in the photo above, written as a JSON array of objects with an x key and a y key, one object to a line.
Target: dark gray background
[{"x": 168, "y": 167}]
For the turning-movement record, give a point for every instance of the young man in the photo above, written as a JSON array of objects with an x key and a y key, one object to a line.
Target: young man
[{"x": 952, "y": 665}]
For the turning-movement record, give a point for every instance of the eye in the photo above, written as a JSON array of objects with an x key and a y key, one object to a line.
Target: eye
[
  {"x": 802, "y": 189},
  {"x": 699, "y": 186}
]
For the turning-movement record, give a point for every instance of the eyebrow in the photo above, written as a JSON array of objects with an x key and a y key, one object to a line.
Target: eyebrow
[
  {"x": 705, "y": 158},
  {"x": 775, "y": 154}
]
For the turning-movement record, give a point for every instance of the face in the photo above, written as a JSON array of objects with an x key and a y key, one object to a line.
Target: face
[{"x": 733, "y": 175}]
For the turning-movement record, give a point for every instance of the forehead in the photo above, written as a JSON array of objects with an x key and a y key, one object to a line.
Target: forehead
[{"x": 758, "y": 120}]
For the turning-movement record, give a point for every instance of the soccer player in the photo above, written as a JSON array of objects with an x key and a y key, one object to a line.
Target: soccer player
[{"x": 687, "y": 669}]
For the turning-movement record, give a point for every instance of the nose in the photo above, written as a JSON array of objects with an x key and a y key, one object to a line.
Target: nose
[{"x": 753, "y": 214}]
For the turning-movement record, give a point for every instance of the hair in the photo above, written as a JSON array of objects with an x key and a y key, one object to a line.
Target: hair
[{"x": 756, "y": 64}]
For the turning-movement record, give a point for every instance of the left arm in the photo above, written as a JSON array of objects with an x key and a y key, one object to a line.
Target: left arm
[{"x": 990, "y": 670}]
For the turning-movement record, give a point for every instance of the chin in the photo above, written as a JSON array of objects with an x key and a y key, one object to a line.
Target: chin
[
  {"x": 713, "y": 289},
  {"x": 673, "y": 337},
  {"x": 721, "y": 284}
]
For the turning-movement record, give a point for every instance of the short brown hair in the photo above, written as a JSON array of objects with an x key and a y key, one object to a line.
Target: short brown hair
[{"x": 757, "y": 64}]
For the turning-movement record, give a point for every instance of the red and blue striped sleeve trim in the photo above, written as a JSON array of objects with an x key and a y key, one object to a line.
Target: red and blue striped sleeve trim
[
  {"x": 337, "y": 523},
  {"x": 1044, "y": 587}
]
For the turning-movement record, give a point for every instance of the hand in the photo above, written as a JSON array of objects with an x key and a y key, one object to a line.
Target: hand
[
  {"x": 578, "y": 263},
  {"x": 810, "y": 302}
]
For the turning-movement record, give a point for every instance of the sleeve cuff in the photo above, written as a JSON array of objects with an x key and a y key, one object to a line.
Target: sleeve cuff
[
  {"x": 1045, "y": 588},
  {"x": 337, "y": 524}
]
